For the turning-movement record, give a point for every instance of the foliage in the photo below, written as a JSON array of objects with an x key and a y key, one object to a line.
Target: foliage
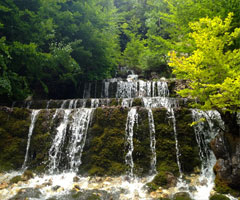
[
  {"x": 213, "y": 67},
  {"x": 55, "y": 44}
]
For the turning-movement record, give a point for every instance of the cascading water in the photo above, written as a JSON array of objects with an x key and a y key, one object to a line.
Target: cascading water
[
  {"x": 73, "y": 120},
  {"x": 87, "y": 90},
  {"x": 31, "y": 128},
  {"x": 58, "y": 110},
  {"x": 169, "y": 104},
  {"x": 127, "y": 103},
  {"x": 172, "y": 116},
  {"x": 152, "y": 142},
  {"x": 205, "y": 131},
  {"x": 78, "y": 128},
  {"x": 56, "y": 148},
  {"x": 132, "y": 119}
]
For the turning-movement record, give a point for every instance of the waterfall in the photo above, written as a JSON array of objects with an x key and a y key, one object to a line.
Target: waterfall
[
  {"x": 87, "y": 91},
  {"x": 57, "y": 110},
  {"x": 105, "y": 89},
  {"x": 127, "y": 103},
  {"x": 126, "y": 89},
  {"x": 75, "y": 103},
  {"x": 172, "y": 115},
  {"x": 48, "y": 103},
  {"x": 169, "y": 104},
  {"x": 58, "y": 141},
  {"x": 94, "y": 103},
  {"x": 31, "y": 128},
  {"x": 29, "y": 103},
  {"x": 78, "y": 128},
  {"x": 152, "y": 141},
  {"x": 71, "y": 102},
  {"x": 132, "y": 119},
  {"x": 162, "y": 89},
  {"x": 205, "y": 131}
]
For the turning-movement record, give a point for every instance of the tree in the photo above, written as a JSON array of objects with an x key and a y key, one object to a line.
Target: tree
[{"x": 213, "y": 68}]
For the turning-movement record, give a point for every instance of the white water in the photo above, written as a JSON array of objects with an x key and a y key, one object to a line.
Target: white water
[
  {"x": 87, "y": 90},
  {"x": 128, "y": 190},
  {"x": 31, "y": 128},
  {"x": 152, "y": 142},
  {"x": 127, "y": 102},
  {"x": 58, "y": 110},
  {"x": 55, "y": 150},
  {"x": 132, "y": 119},
  {"x": 205, "y": 131},
  {"x": 78, "y": 128}
]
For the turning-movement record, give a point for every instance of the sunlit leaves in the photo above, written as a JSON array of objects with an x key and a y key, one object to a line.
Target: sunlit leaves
[{"x": 213, "y": 68}]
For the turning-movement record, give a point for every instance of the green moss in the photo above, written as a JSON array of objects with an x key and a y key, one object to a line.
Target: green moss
[
  {"x": 223, "y": 188},
  {"x": 182, "y": 198},
  {"x": 28, "y": 174},
  {"x": 218, "y": 197},
  {"x": 137, "y": 102},
  {"x": 93, "y": 197},
  {"x": 103, "y": 153},
  {"x": 15, "y": 179},
  {"x": 187, "y": 143},
  {"x": 161, "y": 179},
  {"x": 114, "y": 102}
]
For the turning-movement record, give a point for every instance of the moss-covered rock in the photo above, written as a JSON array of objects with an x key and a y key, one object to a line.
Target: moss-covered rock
[
  {"x": 137, "y": 102},
  {"x": 104, "y": 150},
  {"x": 218, "y": 197},
  {"x": 222, "y": 187},
  {"x": 15, "y": 179},
  {"x": 14, "y": 127},
  {"x": 187, "y": 141}
]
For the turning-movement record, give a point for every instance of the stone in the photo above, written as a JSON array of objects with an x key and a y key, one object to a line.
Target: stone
[
  {"x": 182, "y": 195},
  {"x": 3, "y": 185},
  {"x": 27, "y": 193},
  {"x": 55, "y": 188},
  {"x": 76, "y": 187},
  {"x": 76, "y": 179},
  {"x": 48, "y": 183}
]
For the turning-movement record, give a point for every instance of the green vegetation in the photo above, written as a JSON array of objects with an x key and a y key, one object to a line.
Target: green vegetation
[
  {"x": 213, "y": 68},
  {"x": 48, "y": 48},
  {"x": 51, "y": 46},
  {"x": 15, "y": 179},
  {"x": 218, "y": 197}
]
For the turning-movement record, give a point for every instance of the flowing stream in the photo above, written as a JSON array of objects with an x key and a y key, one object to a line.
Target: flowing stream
[
  {"x": 78, "y": 128},
  {"x": 132, "y": 119},
  {"x": 31, "y": 128},
  {"x": 205, "y": 131}
]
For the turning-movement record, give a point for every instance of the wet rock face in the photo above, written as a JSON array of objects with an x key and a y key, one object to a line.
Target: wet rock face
[{"x": 226, "y": 147}]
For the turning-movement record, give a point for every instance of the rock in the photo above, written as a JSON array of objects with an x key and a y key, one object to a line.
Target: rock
[
  {"x": 99, "y": 179},
  {"x": 76, "y": 179},
  {"x": 55, "y": 188},
  {"x": 27, "y": 193},
  {"x": 171, "y": 179},
  {"x": 3, "y": 185},
  {"x": 182, "y": 195},
  {"x": 15, "y": 179},
  {"x": 109, "y": 179},
  {"x": 76, "y": 187},
  {"x": 27, "y": 175},
  {"x": 48, "y": 183},
  {"x": 226, "y": 148},
  {"x": 218, "y": 197}
]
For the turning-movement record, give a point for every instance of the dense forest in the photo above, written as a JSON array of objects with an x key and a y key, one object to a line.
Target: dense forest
[{"x": 50, "y": 47}]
